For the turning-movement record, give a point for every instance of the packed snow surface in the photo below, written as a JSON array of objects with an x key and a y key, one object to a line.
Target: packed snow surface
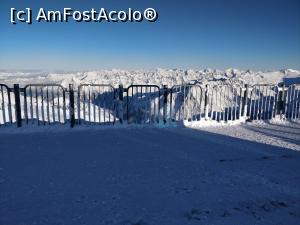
[
  {"x": 246, "y": 174},
  {"x": 159, "y": 77}
]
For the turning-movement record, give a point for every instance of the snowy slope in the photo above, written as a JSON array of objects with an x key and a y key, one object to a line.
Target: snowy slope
[
  {"x": 149, "y": 176},
  {"x": 159, "y": 76}
]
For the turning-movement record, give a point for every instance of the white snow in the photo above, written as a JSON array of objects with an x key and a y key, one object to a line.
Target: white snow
[
  {"x": 168, "y": 77},
  {"x": 87, "y": 175},
  {"x": 280, "y": 133},
  {"x": 203, "y": 172}
]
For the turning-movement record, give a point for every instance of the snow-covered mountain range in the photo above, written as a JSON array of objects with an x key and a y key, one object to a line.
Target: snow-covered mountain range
[{"x": 158, "y": 76}]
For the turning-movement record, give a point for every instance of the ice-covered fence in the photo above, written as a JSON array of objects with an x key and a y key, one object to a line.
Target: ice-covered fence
[
  {"x": 96, "y": 104},
  {"x": 225, "y": 102},
  {"x": 292, "y": 100},
  {"x": 44, "y": 104},
  {"x": 186, "y": 103},
  {"x": 104, "y": 104},
  {"x": 5, "y": 105},
  {"x": 263, "y": 102},
  {"x": 143, "y": 104}
]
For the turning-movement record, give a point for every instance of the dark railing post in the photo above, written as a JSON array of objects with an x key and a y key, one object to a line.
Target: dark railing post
[
  {"x": 245, "y": 101},
  {"x": 120, "y": 103},
  {"x": 280, "y": 103},
  {"x": 206, "y": 101},
  {"x": 78, "y": 105},
  {"x": 127, "y": 104},
  {"x": 72, "y": 111},
  {"x": 165, "y": 102},
  {"x": 17, "y": 105}
]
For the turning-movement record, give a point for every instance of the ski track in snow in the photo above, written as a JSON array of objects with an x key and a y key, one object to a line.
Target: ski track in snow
[{"x": 136, "y": 176}]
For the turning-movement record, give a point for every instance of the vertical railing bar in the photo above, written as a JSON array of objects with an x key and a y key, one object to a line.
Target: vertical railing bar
[
  {"x": 231, "y": 89},
  {"x": 53, "y": 104},
  {"x": 25, "y": 106},
  {"x": 115, "y": 97},
  {"x": 286, "y": 100},
  {"x": 228, "y": 97},
  {"x": 79, "y": 104},
  {"x": 268, "y": 103},
  {"x": 154, "y": 103},
  {"x": 298, "y": 103},
  {"x": 48, "y": 110},
  {"x": 256, "y": 102},
  {"x": 31, "y": 104},
  {"x": 171, "y": 104},
  {"x": 159, "y": 105},
  {"x": 9, "y": 107},
  {"x": 184, "y": 96},
  {"x": 151, "y": 101},
  {"x": 261, "y": 107},
  {"x": 104, "y": 107},
  {"x": 250, "y": 104},
  {"x": 146, "y": 104},
  {"x": 127, "y": 104},
  {"x": 212, "y": 105},
  {"x": 3, "y": 106},
  {"x": 266, "y": 107},
  {"x": 274, "y": 107},
  {"x": 236, "y": 104},
  {"x": 42, "y": 106},
  {"x": 64, "y": 106},
  {"x": 84, "y": 105},
  {"x": 108, "y": 107},
  {"x": 37, "y": 106},
  {"x": 200, "y": 103},
  {"x": 294, "y": 100},
  {"x": 89, "y": 104},
  {"x": 58, "y": 104},
  {"x": 99, "y": 111},
  {"x": 94, "y": 106},
  {"x": 220, "y": 105}
]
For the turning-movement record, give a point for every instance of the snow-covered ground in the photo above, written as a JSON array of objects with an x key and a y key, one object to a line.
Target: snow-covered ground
[
  {"x": 204, "y": 172},
  {"x": 239, "y": 174},
  {"x": 160, "y": 77}
]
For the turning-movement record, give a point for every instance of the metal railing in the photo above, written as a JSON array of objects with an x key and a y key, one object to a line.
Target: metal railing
[
  {"x": 5, "y": 105},
  {"x": 43, "y": 104},
  {"x": 143, "y": 104},
  {"x": 225, "y": 102},
  {"x": 96, "y": 104},
  {"x": 292, "y": 106},
  {"x": 263, "y": 102},
  {"x": 187, "y": 102}
]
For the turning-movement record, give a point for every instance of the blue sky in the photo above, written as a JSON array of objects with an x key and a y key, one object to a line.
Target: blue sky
[{"x": 253, "y": 34}]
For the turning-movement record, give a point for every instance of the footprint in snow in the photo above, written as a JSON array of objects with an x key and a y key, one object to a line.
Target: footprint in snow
[{"x": 197, "y": 214}]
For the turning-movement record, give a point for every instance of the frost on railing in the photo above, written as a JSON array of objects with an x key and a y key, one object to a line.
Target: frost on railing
[
  {"x": 143, "y": 104},
  {"x": 44, "y": 104},
  {"x": 5, "y": 105},
  {"x": 186, "y": 102},
  {"x": 292, "y": 106},
  {"x": 96, "y": 104},
  {"x": 225, "y": 102},
  {"x": 263, "y": 102}
]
